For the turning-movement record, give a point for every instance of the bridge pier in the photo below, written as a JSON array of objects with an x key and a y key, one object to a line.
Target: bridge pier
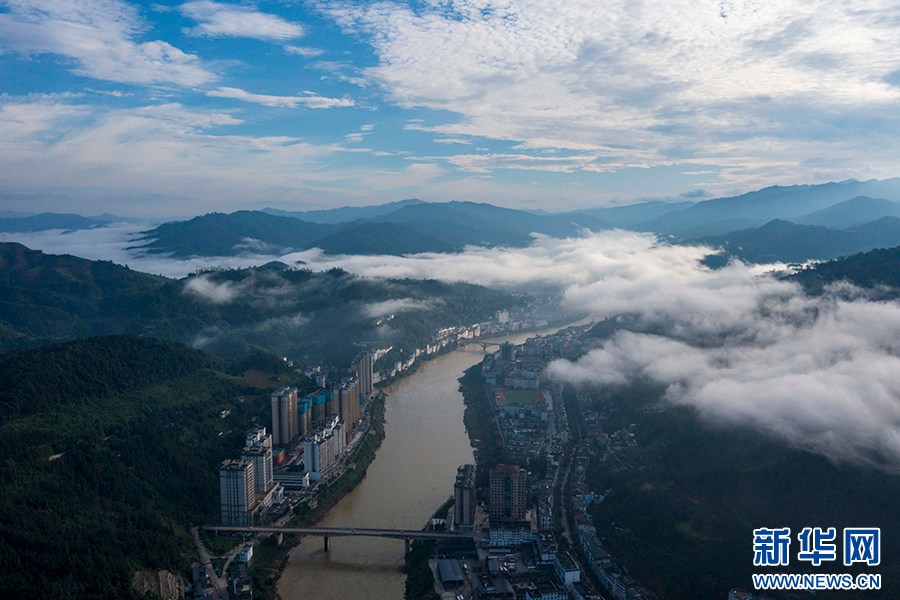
[
  {"x": 279, "y": 538},
  {"x": 326, "y": 542},
  {"x": 406, "y": 544}
]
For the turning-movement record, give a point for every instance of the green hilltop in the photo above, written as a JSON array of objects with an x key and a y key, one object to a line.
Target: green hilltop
[
  {"x": 110, "y": 447},
  {"x": 320, "y": 317}
]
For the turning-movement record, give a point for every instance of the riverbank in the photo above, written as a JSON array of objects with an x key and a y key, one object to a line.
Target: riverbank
[
  {"x": 270, "y": 559},
  {"x": 481, "y": 425},
  {"x": 419, "y": 576},
  {"x": 425, "y": 443}
]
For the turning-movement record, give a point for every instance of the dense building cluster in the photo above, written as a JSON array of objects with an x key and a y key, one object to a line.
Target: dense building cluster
[
  {"x": 527, "y": 514},
  {"x": 516, "y": 554},
  {"x": 247, "y": 485}
]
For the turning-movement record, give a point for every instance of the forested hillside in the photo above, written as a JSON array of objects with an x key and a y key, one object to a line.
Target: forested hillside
[
  {"x": 878, "y": 269},
  {"x": 110, "y": 448},
  {"x": 681, "y": 516},
  {"x": 315, "y": 316}
]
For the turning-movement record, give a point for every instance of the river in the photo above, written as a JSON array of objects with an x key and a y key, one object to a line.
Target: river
[{"x": 411, "y": 476}]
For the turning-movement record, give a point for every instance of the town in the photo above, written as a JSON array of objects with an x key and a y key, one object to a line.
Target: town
[
  {"x": 524, "y": 510},
  {"x": 533, "y": 533},
  {"x": 312, "y": 440},
  {"x": 533, "y": 538}
]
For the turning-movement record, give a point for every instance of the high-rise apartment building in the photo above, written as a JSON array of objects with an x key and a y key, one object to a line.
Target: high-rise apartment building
[
  {"x": 363, "y": 366},
  {"x": 464, "y": 496},
  {"x": 284, "y": 416},
  {"x": 508, "y": 494},
  {"x": 304, "y": 417},
  {"x": 323, "y": 448},
  {"x": 348, "y": 395},
  {"x": 237, "y": 488},
  {"x": 259, "y": 451},
  {"x": 321, "y": 405}
]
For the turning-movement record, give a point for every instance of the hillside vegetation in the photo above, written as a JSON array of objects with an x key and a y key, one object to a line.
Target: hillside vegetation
[
  {"x": 878, "y": 270},
  {"x": 317, "y": 316},
  {"x": 682, "y": 517},
  {"x": 110, "y": 448}
]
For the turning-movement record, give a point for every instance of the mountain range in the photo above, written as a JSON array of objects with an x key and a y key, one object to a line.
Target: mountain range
[
  {"x": 878, "y": 271},
  {"x": 811, "y": 221},
  {"x": 21, "y": 222},
  {"x": 46, "y": 298},
  {"x": 783, "y": 241},
  {"x": 722, "y": 215},
  {"x": 414, "y": 227},
  {"x": 344, "y": 214}
]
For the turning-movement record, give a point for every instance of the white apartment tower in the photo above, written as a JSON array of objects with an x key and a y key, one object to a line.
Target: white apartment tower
[
  {"x": 322, "y": 449},
  {"x": 237, "y": 488},
  {"x": 348, "y": 396},
  {"x": 259, "y": 451}
]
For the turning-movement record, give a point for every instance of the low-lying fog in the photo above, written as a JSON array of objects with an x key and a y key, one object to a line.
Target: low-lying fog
[{"x": 739, "y": 345}]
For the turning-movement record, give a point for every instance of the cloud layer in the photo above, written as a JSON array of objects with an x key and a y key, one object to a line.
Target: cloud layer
[
  {"x": 741, "y": 85},
  {"x": 217, "y": 19},
  {"x": 737, "y": 344},
  {"x": 527, "y": 103},
  {"x": 101, "y": 38}
]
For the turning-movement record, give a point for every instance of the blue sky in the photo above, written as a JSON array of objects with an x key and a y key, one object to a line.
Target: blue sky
[{"x": 180, "y": 108}]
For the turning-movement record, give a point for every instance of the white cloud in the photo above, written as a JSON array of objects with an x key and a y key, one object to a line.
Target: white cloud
[
  {"x": 99, "y": 37},
  {"x": 485, "y": 163},
  {"x": 448, "y": 140},
  {"x": 217, "y": 19},
  {"x": 389, "y": 307},
  {"x": 765, "y": 91},
  {"x": 822, "y": 375},
  {"x": 120, "y": 154},
  {"x": 217, "y": 293},
  {"x": 304, "y": 51},
  {"x": 27, "y": 119},
  {"x": 740, "y": 346},
  {"x": 116, "y": 243},
  {"x": 309, "y": 100}
]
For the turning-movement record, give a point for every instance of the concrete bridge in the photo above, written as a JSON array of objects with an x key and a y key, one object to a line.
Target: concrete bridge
[
  {"x": 407, "y": 535},
  {"x": 484, "y": 345}
]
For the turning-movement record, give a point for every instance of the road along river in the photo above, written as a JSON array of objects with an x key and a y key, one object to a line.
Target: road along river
[{"x": 411, "y": 476}]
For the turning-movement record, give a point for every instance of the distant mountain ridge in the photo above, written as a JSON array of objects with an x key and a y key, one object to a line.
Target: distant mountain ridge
[
  {"x": 776, "y": 202},
  {"x": 334, "y": 216},
  {"x": 783, "y": 241},
  {"x": 851, "y": 212},
  {"x": 46, "y": 221},
  {"x": 412, "y": 226},
  {"x": 380, "y": 238},
  {"x": 219, "y": 234},
  {"x": 492, "y": 218},
  {"x": 415, "y": 227},
  {"x": 634, "y": 214}
]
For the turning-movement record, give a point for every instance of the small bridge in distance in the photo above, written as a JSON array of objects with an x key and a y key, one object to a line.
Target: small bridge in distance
[
  {"x": 484, "y": 345},
  {"x": 407, "y": 535}
]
